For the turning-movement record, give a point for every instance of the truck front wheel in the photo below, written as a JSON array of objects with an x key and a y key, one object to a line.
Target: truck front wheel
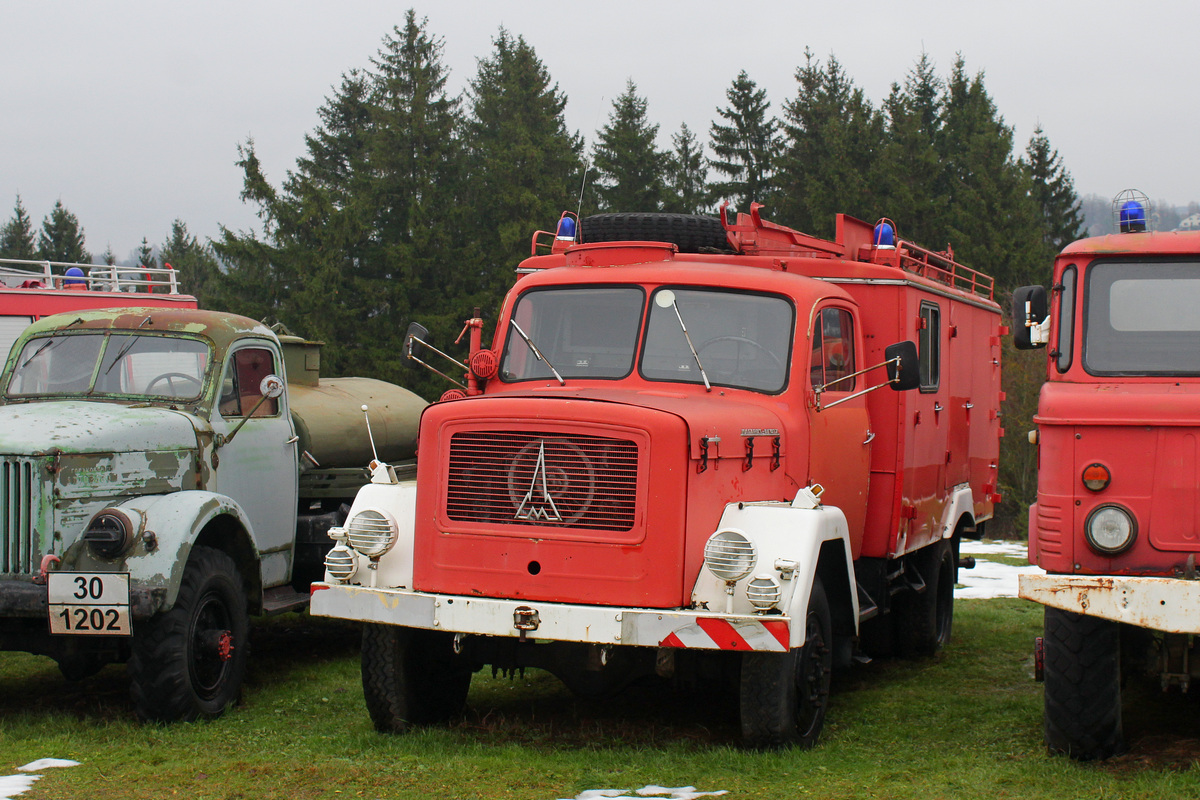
[
  {"x": 784, "y": 696},
  {"x": 1083, "y": 686},
  {"x": 190, "y": 662},
  {"x": 412, "y": 677}
]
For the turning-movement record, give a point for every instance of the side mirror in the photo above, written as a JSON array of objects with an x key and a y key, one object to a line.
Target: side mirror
[
  {"x": 415, "y": 331},
  {"x": 903, "y": 368},
  {"x": 1029, "y": 311}
]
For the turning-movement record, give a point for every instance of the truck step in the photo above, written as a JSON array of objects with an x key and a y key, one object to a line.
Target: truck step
[
  {"x": 867, "y": 607},
  {"x": 282, "y": 599}
]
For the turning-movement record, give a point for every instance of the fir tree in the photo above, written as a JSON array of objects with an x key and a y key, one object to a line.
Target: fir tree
[
  {"x": 911, "y": 170},
  {"x": 145, "y": 255},
  {"x": 1054, "y": 192},
  {"x": 687, "y": 175},
  {"x": 109, "y": 257},
  {"x": 630, "y": 169},
  {"x": 195, "y": 263},
  {"x": 525, "y": 165},
  {"x": 16, "y": 237},
  {"x": 832, "y": 139},
  {"x": 62, "y": 238},
  {"x": 745, "y": 148}
]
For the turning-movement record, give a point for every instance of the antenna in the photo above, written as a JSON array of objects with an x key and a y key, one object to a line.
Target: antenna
[
  {"x": 369, "y": 434},
  {"x": 587, "y": 165}
]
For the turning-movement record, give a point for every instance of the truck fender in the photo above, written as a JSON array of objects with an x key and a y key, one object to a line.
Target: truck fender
[
  {"x": 394, "y": 569},
  {"x": 962, "y": 504},
  {"x": 792, "y": 545},
  {"x": 179, "y": 521}
]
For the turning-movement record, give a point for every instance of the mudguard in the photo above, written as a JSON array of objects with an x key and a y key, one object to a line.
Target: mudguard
[
  {"x": 176, "y": 521},
  {"x": 788, "y": 541},
  {"x": 394, "y": 569}
]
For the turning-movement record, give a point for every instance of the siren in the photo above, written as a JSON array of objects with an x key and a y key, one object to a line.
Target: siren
[
  {"x": 566, "y": 230},
  {"x": 885, "y": 234},
  {"x": 1133, "y": 217}
]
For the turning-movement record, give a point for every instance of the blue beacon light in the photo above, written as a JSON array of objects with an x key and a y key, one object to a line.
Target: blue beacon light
[
  {"x": 885, "y": 236},
  {"x": 566, "y": 229},
  {"x": 1133, "y": 217}
]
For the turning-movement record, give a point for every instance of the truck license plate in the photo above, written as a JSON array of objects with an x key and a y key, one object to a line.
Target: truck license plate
[{"x": 89, "y": 603}]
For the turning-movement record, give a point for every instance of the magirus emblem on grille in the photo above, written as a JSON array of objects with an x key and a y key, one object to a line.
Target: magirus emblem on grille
[{"x": 538, "y": 504}]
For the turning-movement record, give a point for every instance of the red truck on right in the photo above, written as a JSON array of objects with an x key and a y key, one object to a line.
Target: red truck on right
[{"x": 1116, "y": 525}]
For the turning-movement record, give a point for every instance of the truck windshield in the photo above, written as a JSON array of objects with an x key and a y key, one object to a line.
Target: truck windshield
[
  {"x": 584, "y": 331},
  {"x": 1142, "y": 318},
  {"x": 118, "y": 364},
  {"x": 742, "y": 339}
]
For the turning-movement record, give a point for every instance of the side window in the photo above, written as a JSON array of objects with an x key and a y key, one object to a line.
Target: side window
[
  {"x": 239, "y": 389},
  {"x": 929, "y": 345},
  {"x": 1066, "y": 320},
  {"x": 833, "y": 351}
]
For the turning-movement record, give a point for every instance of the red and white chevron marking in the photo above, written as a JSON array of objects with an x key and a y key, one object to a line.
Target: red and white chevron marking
[{"x": 718, "y": 634}]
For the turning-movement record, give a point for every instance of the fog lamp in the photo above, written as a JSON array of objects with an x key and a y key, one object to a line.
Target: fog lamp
[
  {"x": 341, "y": 563},
  {"x": 372, "y": 532},
  {"x": 763, "y": 592},
  {"x": 729, "y": 555}
]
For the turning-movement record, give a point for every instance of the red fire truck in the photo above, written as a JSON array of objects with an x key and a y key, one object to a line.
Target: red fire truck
[
  {"x": 673, "y": 461},
  {"x": 30, "y": 290},
  {"x": 1117, "y": 521}
]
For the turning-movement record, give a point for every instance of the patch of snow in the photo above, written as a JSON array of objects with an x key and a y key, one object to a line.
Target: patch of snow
[
  {"x": 13, "y": 785},
  {"x": 673, "y": 793},
  {"x": 48, "y": 763},
  {"x": 989, "y": 578}
]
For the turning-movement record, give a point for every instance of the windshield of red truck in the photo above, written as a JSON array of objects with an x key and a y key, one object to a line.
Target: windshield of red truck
[
  {"x": 1142, "y": 318},
  {"x": 582, "y": 331},
  {"x": 119, "y": 364}
]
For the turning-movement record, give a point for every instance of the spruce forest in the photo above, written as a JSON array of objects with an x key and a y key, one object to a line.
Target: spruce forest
[{"x": 411, "y": 204}]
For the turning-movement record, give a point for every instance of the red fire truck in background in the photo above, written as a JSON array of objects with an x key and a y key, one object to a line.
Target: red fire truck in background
[
  {"x": 672, "y": 461},
  {"x": 30, "y": 290},
  {"x": 1117, "y": 519}
]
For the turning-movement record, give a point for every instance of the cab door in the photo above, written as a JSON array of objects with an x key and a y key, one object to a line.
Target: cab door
[
  {"x": 257, "y": 468},
  {"x": 840, "y": 435}
]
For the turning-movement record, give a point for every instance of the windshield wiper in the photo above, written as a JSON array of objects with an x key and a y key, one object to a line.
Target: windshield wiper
[
  {"x": 537, "y": 353},
  {"x": 125, "y": 347},
  {"x": 49, "y": 343},
  {"x": 666, "y": 299}
]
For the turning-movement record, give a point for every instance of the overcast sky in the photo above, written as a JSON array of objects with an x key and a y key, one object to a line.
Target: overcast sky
[{"x": 130, "y": 112}]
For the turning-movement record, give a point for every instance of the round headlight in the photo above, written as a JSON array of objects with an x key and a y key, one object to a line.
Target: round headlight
[
  {"x": 341, "y": 563},
  {"x": 764, "y": 592},
  {"x": 372, "y": 532},
  {"x": 729, "y": 555},
  {"x": 110, "y": 533},
  {"x": 1110, "y": 530}
]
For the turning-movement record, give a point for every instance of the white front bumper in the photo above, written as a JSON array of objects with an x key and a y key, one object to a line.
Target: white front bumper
[
  {"x": 1171, "y": 605},
  {"x": 555, "y": 621}
]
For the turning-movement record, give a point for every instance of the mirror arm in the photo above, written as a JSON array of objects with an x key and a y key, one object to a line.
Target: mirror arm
[
  {"x": 825, "y": 386},
  {"x": 412, "y": 356},
  {"x": 224, "y": 440}
]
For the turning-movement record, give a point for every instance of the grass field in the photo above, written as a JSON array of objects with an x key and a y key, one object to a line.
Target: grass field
[{"x": 964, "y": 725}]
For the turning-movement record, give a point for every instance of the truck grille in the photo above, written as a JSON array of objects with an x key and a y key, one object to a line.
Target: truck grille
[
  {"x": 18, "y": 549},
  {"x": 532, "y": 478}
]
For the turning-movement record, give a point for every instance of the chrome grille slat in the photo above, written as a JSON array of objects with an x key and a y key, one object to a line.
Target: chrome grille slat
[
  {"x": 592, "y": 480},
  {"x": 18, "y": 539}
]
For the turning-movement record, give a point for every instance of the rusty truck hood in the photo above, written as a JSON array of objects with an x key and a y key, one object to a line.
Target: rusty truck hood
[{"x": 75, "y": 426}]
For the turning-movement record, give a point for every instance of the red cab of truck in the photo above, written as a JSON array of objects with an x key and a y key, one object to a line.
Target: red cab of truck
[
  {"x": 1116, "y": 524},
  {"x": 673, "y": 460}
]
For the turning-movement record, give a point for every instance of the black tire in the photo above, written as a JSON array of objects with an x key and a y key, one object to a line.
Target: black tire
[
  {"x": 692, "y": 233},
  {"x": 412, "y": 677},
  {"x": 784, "y": 696},
  {"x": 81, "y": 666},
  {"x": 924, "y": 620},
  {"x": 1082, "y": 686},
  {"x": 189, "y": 662}
]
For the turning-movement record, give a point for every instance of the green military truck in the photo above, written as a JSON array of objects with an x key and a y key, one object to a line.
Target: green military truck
[{"x": 165, "y": 473}]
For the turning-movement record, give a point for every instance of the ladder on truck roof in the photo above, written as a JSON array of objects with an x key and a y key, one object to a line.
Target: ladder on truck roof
[{"x": 18, "y": 273}]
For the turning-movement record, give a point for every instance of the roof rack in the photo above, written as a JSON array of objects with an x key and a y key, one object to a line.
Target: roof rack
[{"x": 18, "y": 273}]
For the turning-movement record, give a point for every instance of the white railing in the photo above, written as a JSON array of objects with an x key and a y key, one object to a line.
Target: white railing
[{"x": 18, "y": 273}]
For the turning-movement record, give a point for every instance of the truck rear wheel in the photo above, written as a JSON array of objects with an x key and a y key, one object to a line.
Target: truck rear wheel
[
  {"x": 1083, "y": 686},
  {"x": 784, "y": 696},
  {"x": 190, "y": 662},
  {"x": 412, "y": 677},
  {"x": 692, "y": 233},
  {"x": 924, "y": 620}
]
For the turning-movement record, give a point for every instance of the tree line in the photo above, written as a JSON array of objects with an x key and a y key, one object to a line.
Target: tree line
[{"x": 412, "y": 203}]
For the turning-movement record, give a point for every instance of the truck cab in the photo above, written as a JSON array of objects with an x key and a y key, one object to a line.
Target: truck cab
[{"x": 1116, "y": 524}]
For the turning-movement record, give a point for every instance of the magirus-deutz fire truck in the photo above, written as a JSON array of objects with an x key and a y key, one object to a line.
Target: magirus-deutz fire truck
[
  {"x": 672, "y": 461},
  {"x": 1117, "y": 521}
]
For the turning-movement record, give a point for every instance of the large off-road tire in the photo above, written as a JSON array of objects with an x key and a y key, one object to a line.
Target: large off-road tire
[
  {"x": 190, "y": 662},
  {"x": 924, "y": 620},
  {"x": 692, "y": 233},
  {"x": 412, "y": 677},
  {"x": 784, "y": 696},
  {"x": 1083, "y": 686}
]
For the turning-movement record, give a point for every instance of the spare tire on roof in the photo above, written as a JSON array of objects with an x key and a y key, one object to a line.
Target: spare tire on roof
[{"x": 692, "y": 233}]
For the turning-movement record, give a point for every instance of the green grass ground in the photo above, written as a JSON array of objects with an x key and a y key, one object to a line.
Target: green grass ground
[{"x": 964, "y": 725}]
